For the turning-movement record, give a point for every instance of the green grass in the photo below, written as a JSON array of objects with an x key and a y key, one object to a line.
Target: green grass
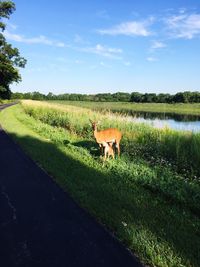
[
  {"x": 179, "y": 149},
  {"x": 125, "y": 107},
  {"x": 6, "y": 101},
  {"x": 148, "y": 206}
]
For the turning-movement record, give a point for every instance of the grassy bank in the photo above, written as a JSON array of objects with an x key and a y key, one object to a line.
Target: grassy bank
[
  {"x": 178, "y": 108},
  {"x": 6, "y": 101},
  {"x": 146, "y": 204},
  {"x": 180, "y": 149}
]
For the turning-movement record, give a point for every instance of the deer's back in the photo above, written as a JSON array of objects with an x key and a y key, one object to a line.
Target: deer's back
[{"x": 111, "y": 134}]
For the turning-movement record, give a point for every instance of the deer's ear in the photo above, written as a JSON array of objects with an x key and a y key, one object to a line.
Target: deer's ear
[{"x": 90, "y": 120}]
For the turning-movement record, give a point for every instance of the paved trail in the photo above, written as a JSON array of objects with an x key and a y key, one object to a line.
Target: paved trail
[{"x": 41, "y": 226}]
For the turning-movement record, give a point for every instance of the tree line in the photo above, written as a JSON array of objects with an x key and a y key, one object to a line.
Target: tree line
[
  {"x": 136, "y": 97},
  {"x": 10, "y": 59}
]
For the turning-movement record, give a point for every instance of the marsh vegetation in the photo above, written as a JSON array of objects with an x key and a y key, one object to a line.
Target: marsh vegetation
[{"x": 149, "y": 197}]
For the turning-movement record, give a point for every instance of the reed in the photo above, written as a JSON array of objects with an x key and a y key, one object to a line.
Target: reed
[
  {"x": 172, "y": 150},
  {"x": 148, "y": 206},
  {"x": 180, "y": 149},
  {"x": 126, "y": 107}
]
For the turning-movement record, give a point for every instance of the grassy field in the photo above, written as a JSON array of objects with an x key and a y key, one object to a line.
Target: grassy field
[
  {"x": 179, "y": 108},
  {"x": 6, "y": 101},
  {"x": 145, "y": 197}
]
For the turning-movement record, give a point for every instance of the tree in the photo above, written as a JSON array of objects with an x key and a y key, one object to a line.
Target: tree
[
  {"x": 178, "y": 97},
  {"x": 37, "y": 96},
  {"x": 136, "y": 97},
  {"x": 121, "y": 96},
  {"x": 149, "y": 98},
  {"x": 17, "y": 96},
  {"x": 10, "y": 59}
]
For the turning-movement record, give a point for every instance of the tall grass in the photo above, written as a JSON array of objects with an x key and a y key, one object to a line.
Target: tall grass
[
  {"x": 178, "y": 108},
  {"x": 147, "y": 206},
  {"x": 165, "y": 148},
  {"x": 180, "y": 149},
  {"x": 6, "y": 101}
]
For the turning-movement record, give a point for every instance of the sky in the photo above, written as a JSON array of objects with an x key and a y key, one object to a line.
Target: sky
[{"x": 107, "y": 46}]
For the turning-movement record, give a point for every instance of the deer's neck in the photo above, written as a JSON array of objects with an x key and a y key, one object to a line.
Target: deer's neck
[{"x": 96, "y": 135}]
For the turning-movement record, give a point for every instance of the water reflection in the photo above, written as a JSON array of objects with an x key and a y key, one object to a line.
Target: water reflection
[
  {"x": 172, "y": 120},
  {"x": 193, "y": 126},
  {"x": 162, "y": 115}
]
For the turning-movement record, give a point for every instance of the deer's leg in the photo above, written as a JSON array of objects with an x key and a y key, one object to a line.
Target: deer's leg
[
  {"x": 101, "y": 149},
  {"x": 118, "y": 148},
  {"x": 106, "y": 150},
  {"x": 111, "y": 151}
]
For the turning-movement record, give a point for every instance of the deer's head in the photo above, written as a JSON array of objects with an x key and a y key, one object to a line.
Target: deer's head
[{"x": 94, "y": 125}]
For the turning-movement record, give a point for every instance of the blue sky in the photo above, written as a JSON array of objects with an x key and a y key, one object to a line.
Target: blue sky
[{"x": 93, "y": 46}]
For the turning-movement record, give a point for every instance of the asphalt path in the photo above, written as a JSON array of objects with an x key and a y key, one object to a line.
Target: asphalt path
[{"x": 40, "y": 225}]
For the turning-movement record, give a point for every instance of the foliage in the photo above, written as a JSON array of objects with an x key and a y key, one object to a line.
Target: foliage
[
  {"x": 135, "y": 97},
  {"x": 178, "y": 109},
  {"x": 163, "y": 146},
  {"x": 129, "y": 196},
  {"x": 5, "y": 101},
  {"x": 10, "y": 59}
]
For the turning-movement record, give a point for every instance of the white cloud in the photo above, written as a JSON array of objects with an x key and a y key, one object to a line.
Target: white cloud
[
  {"x": 104, "y": 51},
  {"x": 59, "y": 44},
  {"x": 127, "y": 63},
  {"x": 151, "y": 59},
  {"x": 61, "y": 59},
  {"x": 182, "y": 10},
  {"x": 36, "y": 69},
  {"x": 103, "y": 64},
  {"x": 78, "y": 61},
  {"x": 102, "y": 14},
  {"x": 50, "y": 67},
  {"x": 35, "y": 40},
  {"x": 130, "y": 28},
  {"x": 186, "y": 26},
  {"x": 157, "y": 45},
  {"x": 99, "y": 65},
  {"x": 78, "y": 38},
  {"x": 11, "y": 25}
]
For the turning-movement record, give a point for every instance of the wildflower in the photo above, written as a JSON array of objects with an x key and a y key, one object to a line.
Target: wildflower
[{"x": 124, "y": 224}]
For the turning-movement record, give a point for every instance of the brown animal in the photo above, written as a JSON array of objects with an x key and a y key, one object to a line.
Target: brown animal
[
  {"x": 108, "y": 150},
  {"x": 106, "y": 137}
]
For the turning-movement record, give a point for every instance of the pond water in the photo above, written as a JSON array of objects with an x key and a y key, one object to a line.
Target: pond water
[
  {"x": 171, "y": 120},
  {"x": 181, "y": 122}
]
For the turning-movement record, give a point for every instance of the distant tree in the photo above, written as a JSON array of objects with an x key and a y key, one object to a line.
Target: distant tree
[
  {"x": 149, "y": 98},
  {"x": 74, "y": 97},
  {"x": 10, "y": 59},
  {"x": 163, "y": 98},
  {"x": 27, "y": 96},
  {"x": 50, "y": 96},
  {"x": 181, "y": 97},
  {"x": 38, "y": 96},
  {"x": 187, "y": 97},
  {"x": 136, "y": 97},
  {"x": 194, "y": 97},
  {"x": 17, "y": 96},
  {"x": 103, "y": 97},
  {"x": 178, "y": 98},
  {"x": 89, "y": 98},
  {"x": 121, "y": 96}
]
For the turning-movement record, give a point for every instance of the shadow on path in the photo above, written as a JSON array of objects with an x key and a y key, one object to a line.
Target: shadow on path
[{"x": 40, "y": 225}]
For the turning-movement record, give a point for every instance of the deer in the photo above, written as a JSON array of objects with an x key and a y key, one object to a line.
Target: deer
[
  {"x": 106, "y": 138},
  {"x": 108, "y": 150}
]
